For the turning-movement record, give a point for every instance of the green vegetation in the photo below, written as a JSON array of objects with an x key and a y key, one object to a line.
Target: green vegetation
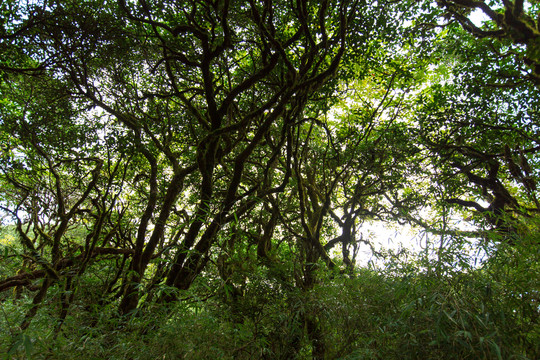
[{"x": 194, "y": 179}]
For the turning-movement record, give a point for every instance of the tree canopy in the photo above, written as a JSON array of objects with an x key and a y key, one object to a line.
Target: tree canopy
[{"x": 159, "y": 151}]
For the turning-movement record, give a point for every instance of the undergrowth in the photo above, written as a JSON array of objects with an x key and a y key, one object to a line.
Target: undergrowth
[{"x": 417, "y": 309}]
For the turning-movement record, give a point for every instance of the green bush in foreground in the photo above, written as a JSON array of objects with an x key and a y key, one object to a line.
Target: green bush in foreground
[{"x": 401, "y": 312}]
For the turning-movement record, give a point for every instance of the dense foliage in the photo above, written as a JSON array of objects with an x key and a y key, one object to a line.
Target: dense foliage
[{"x": 193, "y": 179}]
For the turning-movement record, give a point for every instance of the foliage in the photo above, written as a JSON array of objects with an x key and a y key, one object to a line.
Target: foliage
[
  {"x": 193, "y": 179},
  {"x": 419, "y": 308}
]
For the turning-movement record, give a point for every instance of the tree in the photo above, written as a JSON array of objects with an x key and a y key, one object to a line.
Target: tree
[
  {"x": 228, "y": 153},
  {"x": 202, "y": 90},
  {"x": 477, "y": 124},
  {"x": 512, "y": 30}
]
